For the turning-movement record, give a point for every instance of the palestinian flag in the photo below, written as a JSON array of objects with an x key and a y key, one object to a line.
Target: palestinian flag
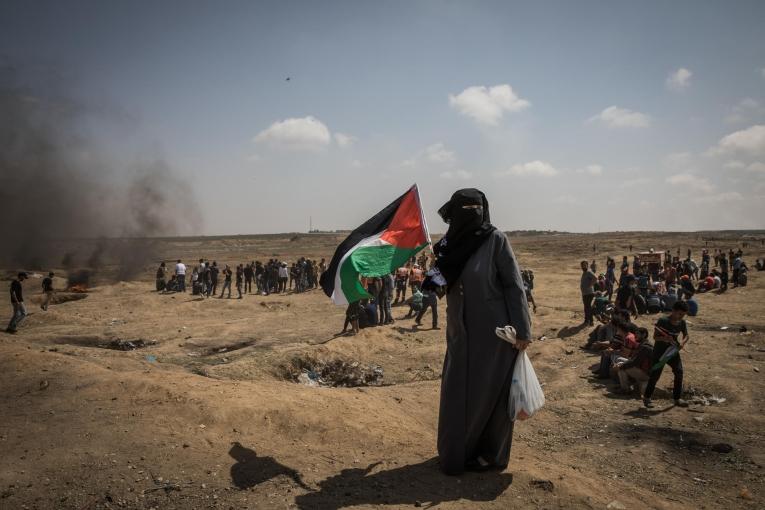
[{"x": 381, "y": 245}]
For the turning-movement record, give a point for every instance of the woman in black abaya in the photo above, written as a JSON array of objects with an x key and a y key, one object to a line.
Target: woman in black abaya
[{"x": 484, "y": 291}]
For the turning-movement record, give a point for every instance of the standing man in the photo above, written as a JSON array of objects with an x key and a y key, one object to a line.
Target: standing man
[
  {"x": 161, "y": 277},
  {"x": 248, "y": 274},
  {"x": 17, "y": 300},
  {"x": 402, "y": 275},
  {"x": 387, "y": 298},
  {"x": 736, "y": 269},
  {"x": 610, "y": 278},
  {"x": 239, "y": 279},
  {"x": 47, "y": 289},
  {"x": 226, "y": 282},
  {"x": 180, "y": 275},
  {"x": 587, "y": 286},
  {"x": 213, "y": 279},
  {"x": 283, "y": 277},
  {"x": 723, "y": 272}
]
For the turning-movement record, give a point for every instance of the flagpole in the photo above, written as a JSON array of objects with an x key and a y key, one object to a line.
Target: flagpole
[{"x": 422, "y": 213}]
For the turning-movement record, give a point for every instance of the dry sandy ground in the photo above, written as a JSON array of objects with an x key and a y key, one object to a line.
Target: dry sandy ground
[{"x": 202, "y": 419}]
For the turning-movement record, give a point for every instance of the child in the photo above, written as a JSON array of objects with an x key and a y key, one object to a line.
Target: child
[
  {"x": 637, "y": 368},
  {"x": 415, "y": 303},
  {"x": 667, "y": 351},
  {"x": 352, "y": 318}
]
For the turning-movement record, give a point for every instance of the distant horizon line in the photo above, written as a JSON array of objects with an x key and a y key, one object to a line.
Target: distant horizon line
[{"x": 760, "y": 232}]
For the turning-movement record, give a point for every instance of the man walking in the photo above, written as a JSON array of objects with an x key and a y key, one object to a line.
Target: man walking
[
  {"x": 666, "y": 351},
  {"x": 17, "y": 300},
  {"x": 47, "y": 289},
  {"x": 587, "y": 286},
  {"x": 429, "y": 300}
]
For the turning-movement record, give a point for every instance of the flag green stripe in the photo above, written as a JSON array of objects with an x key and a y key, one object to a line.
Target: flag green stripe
[{"x": 376, "y": 260}]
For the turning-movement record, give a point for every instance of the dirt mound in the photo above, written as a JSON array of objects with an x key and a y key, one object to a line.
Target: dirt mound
[
  {"x": 116, "y": 344},
  {"x": 61, "y": 297},
  {"x": 332, "y": 372}
]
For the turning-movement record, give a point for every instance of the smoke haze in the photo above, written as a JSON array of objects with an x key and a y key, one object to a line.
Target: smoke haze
[{"x": 58, "y": 186}]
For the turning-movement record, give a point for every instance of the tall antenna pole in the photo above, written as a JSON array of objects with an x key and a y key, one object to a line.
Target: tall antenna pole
[{"x": 310, "y": 224}]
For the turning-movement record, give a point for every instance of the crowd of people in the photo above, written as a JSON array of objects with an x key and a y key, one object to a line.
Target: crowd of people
[
  {"x": 272, "y": 277},
  {"x": 652, "y": 284},
  {"x": 390, "y": 290}
]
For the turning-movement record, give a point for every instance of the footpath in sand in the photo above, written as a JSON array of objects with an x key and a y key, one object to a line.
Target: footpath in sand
[{"x": 201, "y": 416}]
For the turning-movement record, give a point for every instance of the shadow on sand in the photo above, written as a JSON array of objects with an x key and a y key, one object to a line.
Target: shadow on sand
[
  {"x": 420, "y": 484},
  {"x": 571, "y": 330},
  {"x": 251, "y": 470}
]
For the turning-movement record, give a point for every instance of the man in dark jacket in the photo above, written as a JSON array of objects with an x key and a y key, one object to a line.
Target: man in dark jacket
[{"x": 17, "y": 301}]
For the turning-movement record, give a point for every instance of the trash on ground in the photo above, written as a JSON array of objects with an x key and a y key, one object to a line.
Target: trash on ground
[{"x": 331, "y": 372}]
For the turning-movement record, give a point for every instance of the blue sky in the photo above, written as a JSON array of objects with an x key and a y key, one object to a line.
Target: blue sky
[{"x": 577, "y": 116}]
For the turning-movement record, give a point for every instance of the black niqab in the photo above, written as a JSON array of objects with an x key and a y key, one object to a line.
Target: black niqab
[{"x": 468, "y": 229}]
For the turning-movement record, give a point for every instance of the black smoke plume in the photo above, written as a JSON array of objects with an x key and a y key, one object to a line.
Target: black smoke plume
[{"x": 62, "y": 203}]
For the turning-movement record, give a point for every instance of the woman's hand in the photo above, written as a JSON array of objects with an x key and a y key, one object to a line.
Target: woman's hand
[{"x": 521, "y": 345}]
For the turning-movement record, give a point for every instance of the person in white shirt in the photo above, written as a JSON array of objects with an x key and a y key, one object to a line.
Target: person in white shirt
[
  {"x": 284, "y": 275},
  {"x": 180, "y": 273}
]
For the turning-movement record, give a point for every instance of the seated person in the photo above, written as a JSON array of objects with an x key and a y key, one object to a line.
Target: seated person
[
  {"x": 621, "y": 349},
  {"x": 636, "y": 369},
  {"x": 370, "y": 307},
  {"x": 601, "y": 337},
  {"x": 172, "y": 285},
  {"x": 625, "y": 297},
  {"x": 686, "y": 287}
]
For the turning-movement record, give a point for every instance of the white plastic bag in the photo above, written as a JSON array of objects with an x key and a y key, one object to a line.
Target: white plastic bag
[{"x": 526, "y": 396}]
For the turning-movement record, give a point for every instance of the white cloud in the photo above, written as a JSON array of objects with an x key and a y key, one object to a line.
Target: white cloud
[
  {"x": 745, "y": 110},
  {"x": 534, "y": 168},
  {"x": 679, "y": 80},
  {"x": 356, "y": 164},
  {"x": 750, "y": 140},
  {"x": 435, "y": 154},
  {"x": 591, "y": 169},
  {"x": 632, "y": 183},
  {"x": 678, "y": 160},
  {"x": 456, "y": 175},
  {"x": 306, "y": 133},
  {"x": 691, "y": 181},
  {"x": 734, "y": 165},
  {"x": 613, "y": 116},
  {"x": 756, "y": 167},
  {"x": 728, "y": 196},
  {"x": 487, "y": 105},
  {"x": 343, "y": 140},
  {"x": 439, "y": 154}
]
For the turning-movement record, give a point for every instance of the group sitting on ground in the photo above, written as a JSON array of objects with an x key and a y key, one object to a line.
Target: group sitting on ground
[
  {"x": 273, "y": 277},
  {"x": 627, "y": 355}
]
